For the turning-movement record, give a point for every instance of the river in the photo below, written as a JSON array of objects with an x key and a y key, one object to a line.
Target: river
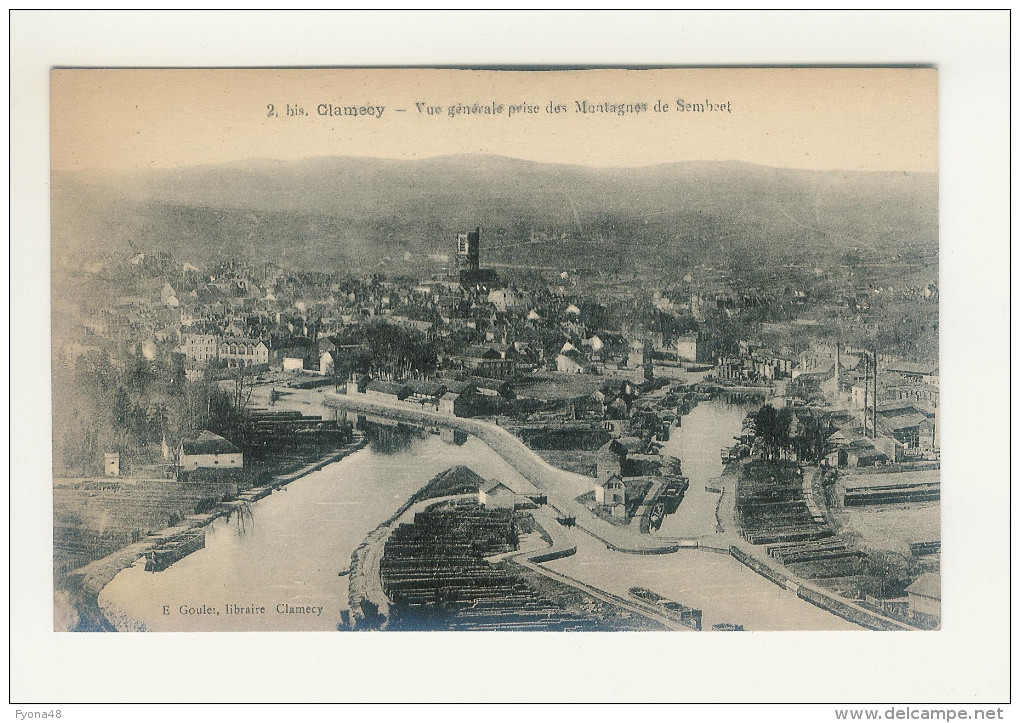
[
  {"x": 708, "y": 428},
  {"x": 725, "y": 590},
  {"x": 290, "y": 552}
]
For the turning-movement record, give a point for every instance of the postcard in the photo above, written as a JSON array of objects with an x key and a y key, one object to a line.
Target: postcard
[{"x": 412, "y": 349}]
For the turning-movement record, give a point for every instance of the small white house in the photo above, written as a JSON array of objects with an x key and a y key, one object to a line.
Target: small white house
[
  {"x": 687, "y": 347},
  {"x": 111, "y": 464},
  {"x": 209, "y": 451},
  {"x": 293, "y": 364},
  {"x": 326, "y": 363},
  {"x": 496, "y": 496},
  {"x": 452, "y": 404},
  {"x": 570, "y": 362},
  {"x": 611, "y": 492},
  {"x": 924, "y": 597}
]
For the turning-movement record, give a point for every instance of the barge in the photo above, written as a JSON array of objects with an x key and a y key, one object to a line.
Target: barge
[
  {"x": 683, "y": 614},
  {"x": 173, "y": 549}
]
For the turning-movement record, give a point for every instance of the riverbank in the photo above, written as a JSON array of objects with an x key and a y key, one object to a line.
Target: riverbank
[
  {"x": 558, "y": 485},
  {"x": 83, "y": 585},
  {"x": 369, "y": 604},
  {"x": 756, "y": 558}
]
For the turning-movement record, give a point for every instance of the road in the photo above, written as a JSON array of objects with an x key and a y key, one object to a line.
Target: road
[{"x": 560, "y": 486}]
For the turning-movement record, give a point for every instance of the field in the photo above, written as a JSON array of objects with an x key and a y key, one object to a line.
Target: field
[
  {"x": 894, "y": 527},
  {"x": 579, "y": 460},
  {"x": 553, "y": 386}
]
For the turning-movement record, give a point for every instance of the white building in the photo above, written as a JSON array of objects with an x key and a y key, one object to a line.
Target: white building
[
  {"x": 611, "y": 492},
  {"x": 570, "y": 362},
  {"x": 201, "y": 347},
  {"x": 925, "y": 597},
  {"x": 326, "y": 363},
  {"x": 687, "y": 347},
  {"x": 451, "y": 403},
  {"x": 209, "y": 451},
  {"x": 496, "y": 495},
  {"x": 242, "y": 352}
]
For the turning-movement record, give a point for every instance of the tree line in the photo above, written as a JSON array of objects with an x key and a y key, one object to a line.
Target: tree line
[{"x": 783, "y": 435}]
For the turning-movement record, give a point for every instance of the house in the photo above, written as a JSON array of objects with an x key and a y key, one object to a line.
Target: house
[
  {"x": 465, "y": 389},
  {"x": 487, "y": 361},
  {"x": 168, "y": 296},
  {"x": 389, "y": 391},
  {"x": 496, "y": 496},
  {"x": 292, "y": 348},
  {"x": 111, "y": 464},
  {"x": 326, "y": 363},
  {"x": 453, "y": 404},
  {"x": 911, "y": 423},
  {"x": 504, "y": 299},
  {"x": 859, "y": 393},
  {"x": 202, "y": 348},
  {"x": 209, "y": 451},
  {"x": 607, "y": 461},
  {"x": 293, "y": 363},
  {"x": 426, "y": 391},
  {"x": 924, "y": 598},
  {"x": 611, "y": 492},
  {"x": 892, "y": 448},
  {"x": 687, "y": 347},
  {"x": 358, "y": 384},
  {"x": 243, "y": 352},
  {"x": 915, "y": 372},
  {"x": 865, "y": 454},
  {"x": 492, "y": 387},
  {"x": 570, "y": 362}
]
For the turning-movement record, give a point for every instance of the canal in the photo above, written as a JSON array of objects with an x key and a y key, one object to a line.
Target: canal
[
  {"x": 290, "y": 550},
  {"x": 725, "y": 590},
  {"x": 708, "y": 428},
  {"x": 288, "y": 553}
]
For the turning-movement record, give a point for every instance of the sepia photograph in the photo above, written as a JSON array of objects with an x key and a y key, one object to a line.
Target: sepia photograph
[{"x": 460, "y": 350}]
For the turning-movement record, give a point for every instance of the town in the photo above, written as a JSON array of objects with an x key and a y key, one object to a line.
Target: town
[{"x": 187, "y": 391}]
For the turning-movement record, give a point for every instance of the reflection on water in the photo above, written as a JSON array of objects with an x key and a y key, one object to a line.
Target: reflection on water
[
  {"x": 281, "y": 571},
  {"x": 390, "y": 440},
  {"x": 293, "y": 548},
  {"x": 708, "y": 428}
]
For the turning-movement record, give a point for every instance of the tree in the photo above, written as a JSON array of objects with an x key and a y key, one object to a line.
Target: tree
[
  {"x": 784, "y": 419},
  {"x": 810, "y": 441},
  {"x": 773, "y": 429},
  {"x": 244, "y": 385},
  {"x": 121, "y": 408}
]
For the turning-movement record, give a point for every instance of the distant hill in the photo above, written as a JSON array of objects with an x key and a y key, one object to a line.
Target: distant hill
[{"x": 355, "y": 211}]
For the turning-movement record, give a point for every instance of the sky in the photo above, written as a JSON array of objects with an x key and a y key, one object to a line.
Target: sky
[{"x": 867, "y": 119}]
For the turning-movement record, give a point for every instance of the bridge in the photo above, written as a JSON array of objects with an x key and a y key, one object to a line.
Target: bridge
[{"x": 560, "y": 486}]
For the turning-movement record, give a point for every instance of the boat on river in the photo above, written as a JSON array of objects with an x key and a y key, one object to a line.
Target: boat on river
[
  {"x": 173, "y": 549},
  {"x": 683, "y": 614}
]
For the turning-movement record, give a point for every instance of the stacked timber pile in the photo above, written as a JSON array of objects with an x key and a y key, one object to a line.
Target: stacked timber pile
[
  {"x": 436, "y": 577},
  {"x": 771, "y": 507}
]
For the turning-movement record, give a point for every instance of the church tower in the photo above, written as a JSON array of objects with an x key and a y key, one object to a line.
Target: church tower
[{"x": 469, "y": 250}]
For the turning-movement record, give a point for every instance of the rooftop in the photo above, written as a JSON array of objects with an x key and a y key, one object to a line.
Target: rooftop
[
  {"x": 928, "y": 585},
  {"x": 208, "y": 443}
]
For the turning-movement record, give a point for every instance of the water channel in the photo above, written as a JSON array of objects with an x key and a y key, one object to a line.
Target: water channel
[
  {"x": 290, "y": 552},
  {"x": 286, "y": 557}
]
